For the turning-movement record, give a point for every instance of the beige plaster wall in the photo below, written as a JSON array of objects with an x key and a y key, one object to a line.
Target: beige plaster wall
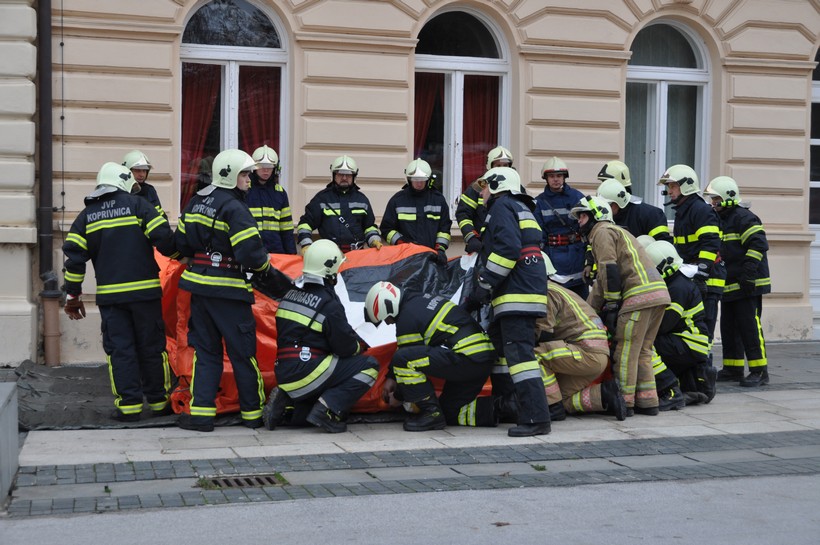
[{"x": 350, "y": 72}]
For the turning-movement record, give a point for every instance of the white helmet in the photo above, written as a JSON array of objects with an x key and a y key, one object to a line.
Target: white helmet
[
  {"x": 344, "y": 164},
  {"x": 227, "y": 166},
  {"x": 645, "y": 240},
  {"x": 418, "y": 168},
  {"x": 323, "y": 258},
  {"x": 501, "y": 179},
  {"x": 596, "y": 206},
  {"x": 265, "y": 157},
  {"x": 615, "y": 170},
  {"x": 499, "y": 153},
  {"x": 725, "y": 188},
  {"x": 685, "y": 176},
  {"x": 137, "y": 160},
  {"x": 664, "y": 256},
  {"x": 112, "y": 177},
  {"x": 554, "y": 165},
  {"x": 613, "y": 191},
  {"x": 382, "y": 302}
]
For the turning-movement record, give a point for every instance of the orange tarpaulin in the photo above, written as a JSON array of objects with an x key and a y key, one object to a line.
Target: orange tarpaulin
[{"x": 176, "y": 311}]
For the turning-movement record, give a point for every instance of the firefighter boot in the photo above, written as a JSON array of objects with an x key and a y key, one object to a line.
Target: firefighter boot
[
  {"x": 506, "y": 407},
  {"x": 612, "y": 400},
  {"x": 428, "y": 418},
  {"x": 671, "y": 400},
  {"x": 706, "y": 377},
  {"x": 324, "y": 418},
  {"x": 755, "y": 378},
  {"x": 274, "y": 412},
  {"x": 694, "y": 398},
  {"x": 557, "y": 412},
  {"x": 730, "y": 374},
  {"x": 528, "y": 430}
]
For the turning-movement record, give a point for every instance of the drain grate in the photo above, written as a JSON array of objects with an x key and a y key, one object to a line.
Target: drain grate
[{"x": 247, "y": 481}]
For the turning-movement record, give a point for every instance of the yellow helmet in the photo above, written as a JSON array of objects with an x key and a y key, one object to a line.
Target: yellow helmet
[
  {"x": 596, "y": 206},
  {"x": 500, "y": 179},
  {"x": 612, "y": 191},
  {"x": 664, "y": 256},
  {"x": 323, "y": 258},
  {"x": 266, "y": 157},
  {"x": 615, "y": 170},
  {"x": 725, "y": 188},
  {"x": 137, "y": 160},
  {"x": 112, "y": 177}
]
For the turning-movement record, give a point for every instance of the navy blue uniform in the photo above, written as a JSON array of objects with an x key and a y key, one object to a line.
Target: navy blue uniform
[
  {"x": 269, "y": 204},
  {"x": 319, "y": 354},
  {"x": 420, "y": 217},
  {"x": 219, "y": 233},
  {"x": 436, "y": 338},
  {"x": 643, "y": 219},
  {"x": 561, "y": 240},
  {"x": 471, "y": 213},
  {"x": 343, "y": 216},
  {"x": 116, "y": 232}
]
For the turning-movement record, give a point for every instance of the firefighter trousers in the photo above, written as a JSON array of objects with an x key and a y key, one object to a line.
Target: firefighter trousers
[
  {"x": 569, "y": 369},
  {"x": 133, "y": 337},
  {"x": 742, "y": 334},
  {"x": 464, "y": 379},
  {"x": 680, "y": 360},
  {"x": 212, "y": 320},
  {"x": 632, "y": 358},
  {"x": 514, "y": 341}
]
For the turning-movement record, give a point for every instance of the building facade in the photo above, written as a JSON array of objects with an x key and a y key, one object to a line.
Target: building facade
[{"x": 727, "y": 86}]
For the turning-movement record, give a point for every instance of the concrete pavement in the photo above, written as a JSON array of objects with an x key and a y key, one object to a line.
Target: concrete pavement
[{"x": 743, "y": 433}]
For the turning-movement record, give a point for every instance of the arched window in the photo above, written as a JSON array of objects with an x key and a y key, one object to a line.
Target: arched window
[
  {"x": 461, "y": 100},
  {"x": 666, "y": 106},
  {"x": 233, "y": 66}
]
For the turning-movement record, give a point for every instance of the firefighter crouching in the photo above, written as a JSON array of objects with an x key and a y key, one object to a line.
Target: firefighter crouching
[
  {"x": 439, "y": 339},
  {"x": 574, "y": 351},
  {"x": 219, "y": 234},
  {"x": 116, "y": 231},
  {"x": 320, "y": 362}
]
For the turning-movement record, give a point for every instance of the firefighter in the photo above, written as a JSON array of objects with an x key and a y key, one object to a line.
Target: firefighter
[
  {"x": 573, "y": 351},
  {"x": 561, "y": 240},
  {"x": 628, "y": 291},
  {"x": 637, "y": 218},
  {"x": 512, "y": 278},
  {"x": 682, "y": 343},
  {"x": 696, "y": 237},
  {"x": 269, "y": 203},
  {"x": 319, "y": 362},
  {"x": 340, "y": 212},
  {"x": 617, "y": 170},
  {"x": 471, "y": 211},
  {"x": 744, "y": 250},
  {"x": 418, "y": 213},
  {"x": 116, "y": 231},
  {"x": 435, "y": 338},
  {"x": 219, "y": 234},
  {"x": 139, "y": 165}
]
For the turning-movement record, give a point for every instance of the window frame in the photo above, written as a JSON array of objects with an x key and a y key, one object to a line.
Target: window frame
[
  {"x": 813, "y": 184},
  {"x": 454, "y": 69},
  {"x": 659, "y": 79},
  {"x": 231, "y": 59}
]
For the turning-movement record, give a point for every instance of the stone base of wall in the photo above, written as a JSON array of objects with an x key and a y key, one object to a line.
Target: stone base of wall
[
  {"x": 18, "y": 332},
  {"x": 9, "y": 448}
]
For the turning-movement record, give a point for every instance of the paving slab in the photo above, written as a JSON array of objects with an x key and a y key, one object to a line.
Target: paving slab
[
  {"x": 729, "y": 456},
  {"x": 327, "y": 477},
  {"x": 662, "y": 460},
  {"x": 418, "y": 473},
  {"x": 807, "y": 451}
]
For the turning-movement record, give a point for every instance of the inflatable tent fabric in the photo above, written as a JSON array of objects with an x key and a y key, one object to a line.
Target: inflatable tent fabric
[{"x": 406, "y": 265}]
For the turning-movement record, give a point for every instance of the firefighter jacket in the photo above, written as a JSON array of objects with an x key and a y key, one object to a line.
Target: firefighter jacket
[
  {"x": 697, "y": 239},
  {"x": 744, "y": 250},
  {"x": 626, "y": 275},
  {"x": 643, "y": 219},
  {"x": 560, "y": 237},
  {"x": 219, "y": 233},
  {"x": 148, "y": 192},
  {"x": 685, "y": 316},
  {"x": 345, "y": 217},
  {"x": 269, "y": 204},
  {"x": 471, "y": 213},
  {"x": 421, "y": 217},
  {"x": 571, "y": 320},
  {"x": 432, "y": 320},
  {"x": 312, "y": 334},
  {"x": 510, "y": 259},
  {"x": 116, "y": 231}
]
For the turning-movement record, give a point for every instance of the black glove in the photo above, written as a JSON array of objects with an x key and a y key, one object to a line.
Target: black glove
[
  {"x": 480, "y": 297},
  {"x": 545, "y": 336},
  {"x": 441, "y": 255},
  {"x": 473, "y": 245},
  {"x": 272, "y": 282},
  {"x": 609, "y": 316}
]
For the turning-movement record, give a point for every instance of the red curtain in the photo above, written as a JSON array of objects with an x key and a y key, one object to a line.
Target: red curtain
[
  {"x": 259, "y": 89},
  {"x": 480, "y": 125},
  {"x": 429, "y": 86},
  {"x": 200, "y": 93}
]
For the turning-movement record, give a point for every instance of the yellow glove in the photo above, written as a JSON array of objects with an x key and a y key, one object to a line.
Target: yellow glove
[{"x": 377, "y": 244}]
